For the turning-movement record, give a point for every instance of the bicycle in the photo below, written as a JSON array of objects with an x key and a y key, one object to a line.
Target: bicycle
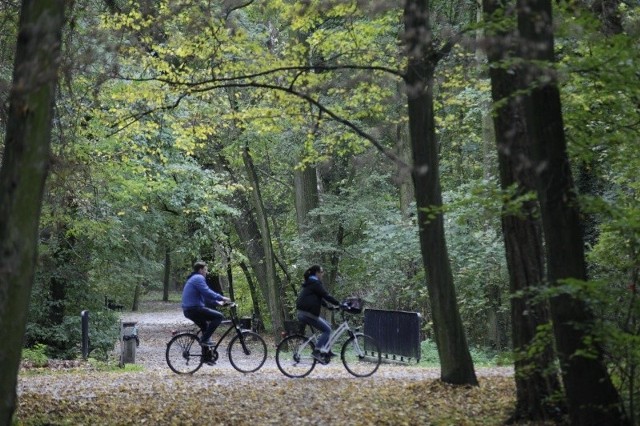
[
  {"x": 360, "y": 353},
  {"x": 247, "y": 351}
]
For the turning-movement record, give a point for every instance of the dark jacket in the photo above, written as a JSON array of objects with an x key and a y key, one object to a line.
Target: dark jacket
[{"x": 311, "y": 296}]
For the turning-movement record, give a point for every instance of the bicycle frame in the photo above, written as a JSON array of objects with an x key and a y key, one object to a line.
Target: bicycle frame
[
  {"x": 236, "y": 327},
  {"x": 335, "y": 335}
]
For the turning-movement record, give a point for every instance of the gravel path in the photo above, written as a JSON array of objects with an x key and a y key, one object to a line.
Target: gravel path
[{"x": 155, "y": 329}]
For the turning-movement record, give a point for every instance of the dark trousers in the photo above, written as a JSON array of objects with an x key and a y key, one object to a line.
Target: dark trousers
[{"x": 206, "y": 318}]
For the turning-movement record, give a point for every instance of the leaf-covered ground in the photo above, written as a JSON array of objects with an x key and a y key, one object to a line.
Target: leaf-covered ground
[
  {"x": 223, "y": 396},
  {"x": 151, "y": 394}
]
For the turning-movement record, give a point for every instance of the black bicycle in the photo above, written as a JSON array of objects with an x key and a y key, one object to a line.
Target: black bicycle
[{"x": 247, "y": 351}]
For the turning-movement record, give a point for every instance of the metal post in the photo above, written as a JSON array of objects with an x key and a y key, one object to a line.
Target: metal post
[{"x": 85, "y": 334}]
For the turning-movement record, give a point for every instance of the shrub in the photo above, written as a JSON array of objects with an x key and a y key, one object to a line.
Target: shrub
[{"x": 36, "y": 356}]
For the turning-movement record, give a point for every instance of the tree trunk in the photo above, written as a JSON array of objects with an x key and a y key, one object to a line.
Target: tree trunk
[
  {"x": 306, "y": 196},
  {"x": 249, "y": 235},
  {"x": 403, "y": 174},
  {"x": 334, "y": 260},
  {"x": 167, "y": 274},
  {"x": 274, "y": 291},
  {"x": 229, "y": 268},
  {"x": 257, "y": 314},
  {"x": 135, "y": 305},
  {"x": 592, "y": 399},
  {"x": 455, "y": 359},
  {"x": 535, "y": 380},
  {"x": 22, "y": 177}
]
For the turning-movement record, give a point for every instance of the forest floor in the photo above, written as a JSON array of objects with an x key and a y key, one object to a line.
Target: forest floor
[{"x": 151, "y": 394}]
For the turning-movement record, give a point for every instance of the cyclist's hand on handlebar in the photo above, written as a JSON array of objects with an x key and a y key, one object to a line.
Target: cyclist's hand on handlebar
[{"x": 226, "y": 302}]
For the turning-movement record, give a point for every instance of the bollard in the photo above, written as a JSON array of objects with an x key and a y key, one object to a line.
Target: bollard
[
  {"x": 129, "y": 342},
  {"x": 84, "y": 315}
]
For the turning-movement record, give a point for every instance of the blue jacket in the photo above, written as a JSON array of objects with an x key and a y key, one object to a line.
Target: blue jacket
[{"x": 197, "y": 293}]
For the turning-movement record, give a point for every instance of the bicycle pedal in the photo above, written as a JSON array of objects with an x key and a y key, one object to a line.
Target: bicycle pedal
[{"x": 322, "y": 358}]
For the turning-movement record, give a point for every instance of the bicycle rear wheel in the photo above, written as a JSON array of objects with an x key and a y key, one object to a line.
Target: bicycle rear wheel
[
  {"x": 361, "y": 355},
  {"x": 251, "y": 359},
  {"x": 293, "y": 356},
  {"x": 184, "y": 353}
]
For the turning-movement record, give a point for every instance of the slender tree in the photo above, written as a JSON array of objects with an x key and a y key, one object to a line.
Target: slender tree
[
  {"x": 591, "y": 397},
  {"x": 274, "y": 299},
  {"x": 455, "y": 359},
  {"x": 22, "y": 177}
]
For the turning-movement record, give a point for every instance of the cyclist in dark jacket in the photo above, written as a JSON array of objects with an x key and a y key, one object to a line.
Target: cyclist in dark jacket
[{"x": 312, "y": 296}]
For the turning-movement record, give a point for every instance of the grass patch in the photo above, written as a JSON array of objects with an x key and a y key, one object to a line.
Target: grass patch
[{"x": 481, "y": 357}]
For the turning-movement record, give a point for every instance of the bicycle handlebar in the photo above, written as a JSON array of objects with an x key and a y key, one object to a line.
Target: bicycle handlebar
[{"x": 340, "y": 307}]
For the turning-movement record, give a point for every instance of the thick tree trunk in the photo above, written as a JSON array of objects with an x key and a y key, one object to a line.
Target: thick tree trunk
[
  {"x": 535, "y": 380},
  {"x": 455, "y": 359},
  {"x": 22, "y": 177},
  {"x": 592, "y": 399}
]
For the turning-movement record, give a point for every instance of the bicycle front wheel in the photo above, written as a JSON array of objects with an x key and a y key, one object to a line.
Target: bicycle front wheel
[
  {"x": 247, "y": 352},
  {"x": 361, "y": 355},
  {"x": 293, "y": 356},
  {"x": 184, "y": 353}
]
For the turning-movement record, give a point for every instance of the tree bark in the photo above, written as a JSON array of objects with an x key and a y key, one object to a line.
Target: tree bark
[
  {"x": 306, "y": 196},
  {"x": 167, "y": 274},
  {"x": 274, "y": 291},
  {"x": 592, "y": 399},
  {"x": 522, "y": 232},
  {"x": 22, "y": 176},
  {"x": 257, "y": 314},
  {"x": 455, "y": 359}
]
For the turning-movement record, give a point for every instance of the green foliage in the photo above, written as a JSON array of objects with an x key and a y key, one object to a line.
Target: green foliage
[
  {"x": 36, "y": 355},
  {"x": 104, "y": 333},
  {"x": 481, "y": 357},
  {"x": 63, "y": 341},
  {"x": 478, "y": 261}
]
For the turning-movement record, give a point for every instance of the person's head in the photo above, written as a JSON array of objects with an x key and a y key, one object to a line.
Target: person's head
[
  {"x": 315, "y": 270},
  {"x": 200, "y": 267}
]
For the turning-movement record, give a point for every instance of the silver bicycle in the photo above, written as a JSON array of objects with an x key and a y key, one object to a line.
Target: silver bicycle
[{"x": 360, "y": 353}]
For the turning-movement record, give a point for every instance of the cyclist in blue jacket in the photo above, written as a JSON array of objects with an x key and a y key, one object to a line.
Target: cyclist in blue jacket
[
  {"x": 312, "y": 296},
  {"x": 197, "y": 299}
]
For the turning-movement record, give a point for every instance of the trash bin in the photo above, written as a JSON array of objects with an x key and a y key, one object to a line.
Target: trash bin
[{"x": 129, "y": 342}]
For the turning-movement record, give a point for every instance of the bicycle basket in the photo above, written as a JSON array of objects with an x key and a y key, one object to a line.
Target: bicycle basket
[{"x": 353, "y": 305}]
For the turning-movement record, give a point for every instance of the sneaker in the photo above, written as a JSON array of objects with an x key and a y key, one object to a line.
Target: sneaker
[
  {"x": 322, "y": 358},
  {"x": 207, "y": 342},
  {"x": 210, "y": 362}
]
